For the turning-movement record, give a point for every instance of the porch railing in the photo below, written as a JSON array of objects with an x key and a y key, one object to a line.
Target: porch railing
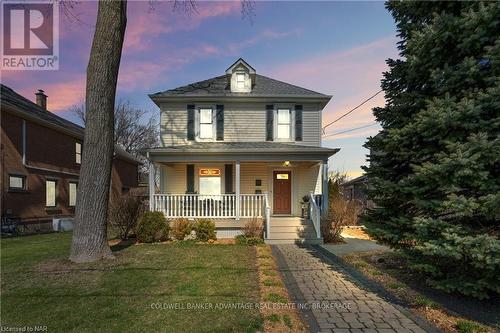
[{"x": 210, "y": 206}]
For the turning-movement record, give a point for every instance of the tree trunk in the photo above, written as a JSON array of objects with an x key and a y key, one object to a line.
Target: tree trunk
[{"x": 90, "y": 234}]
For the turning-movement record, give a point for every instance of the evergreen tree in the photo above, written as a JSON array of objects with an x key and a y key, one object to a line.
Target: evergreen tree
[{"x": 435, "y": 166}]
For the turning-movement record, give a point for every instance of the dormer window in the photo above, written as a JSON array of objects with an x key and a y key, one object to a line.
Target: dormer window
[
  {"x": 240, "y": 80},
  {"x": 241, "y": 77}
]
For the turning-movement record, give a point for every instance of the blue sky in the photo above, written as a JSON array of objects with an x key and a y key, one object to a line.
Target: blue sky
[{"x": 337, "y": 48}]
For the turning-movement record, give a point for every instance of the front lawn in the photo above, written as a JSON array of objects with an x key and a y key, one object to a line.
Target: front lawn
[{"x": 146, "y": 288}]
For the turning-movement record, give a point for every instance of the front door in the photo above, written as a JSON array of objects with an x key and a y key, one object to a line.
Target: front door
[{"x": 282, "y": 188}]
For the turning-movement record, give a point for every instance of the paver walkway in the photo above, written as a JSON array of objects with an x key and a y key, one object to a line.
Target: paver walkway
[{"x": 330, "y": 299}]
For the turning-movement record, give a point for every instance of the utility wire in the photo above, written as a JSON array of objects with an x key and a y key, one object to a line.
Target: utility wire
[
  {"x": 349, "y": 130},
  {"x": 352, "y": 110}
]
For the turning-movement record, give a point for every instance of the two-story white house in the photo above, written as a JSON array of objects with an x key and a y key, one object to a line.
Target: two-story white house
[{"x": 241, "y": 146}]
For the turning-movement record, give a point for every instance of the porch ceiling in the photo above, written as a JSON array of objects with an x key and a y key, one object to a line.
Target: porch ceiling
[{"x": 240, "y": 151}]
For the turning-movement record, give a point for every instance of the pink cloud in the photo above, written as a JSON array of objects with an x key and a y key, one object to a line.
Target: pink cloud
[{"x": 351, "y": 76}]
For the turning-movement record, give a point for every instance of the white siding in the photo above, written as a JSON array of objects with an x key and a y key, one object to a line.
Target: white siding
[{"x": 242, "y": 122}]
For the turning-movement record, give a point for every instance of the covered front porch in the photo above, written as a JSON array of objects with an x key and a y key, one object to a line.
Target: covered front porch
[{"x": 232, "y": 186}]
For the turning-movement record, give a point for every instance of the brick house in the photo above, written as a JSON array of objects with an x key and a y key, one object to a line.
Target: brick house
[{"x": 40, "y": 162}]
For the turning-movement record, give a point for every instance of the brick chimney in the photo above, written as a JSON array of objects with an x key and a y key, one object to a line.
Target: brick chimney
[{"x": 41, "y": 99}]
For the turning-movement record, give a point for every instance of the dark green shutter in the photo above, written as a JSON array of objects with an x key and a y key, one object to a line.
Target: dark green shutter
[
  {"x": 298, "y": 122},
  {"x": 228, "y": 178},
  {"x": 220, "y": 122},
  {"x": 190, "y": 122},
  {"x": 190, "y": 178},
  {"x": 269, "y": 122}
]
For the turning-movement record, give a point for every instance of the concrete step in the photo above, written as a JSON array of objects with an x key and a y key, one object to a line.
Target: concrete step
[
  {"x": 286, "y": 228},
  {"x": 289, "y": 221},
  {"x": 274, "y": 241}
]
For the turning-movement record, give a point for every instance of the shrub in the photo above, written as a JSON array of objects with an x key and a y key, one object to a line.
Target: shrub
[
  {"x": 124, "y": 212},
  {"x": 254, "y": 228},
  {"x": 340, "y": 213},
  {"x": 254, "y": 241},
  {"x": 180, "y": 228},
  {"x": 205, "y": 230},
  {"x": 244, "y": 240},
  {"x": 152, "y": 227},
  {"x": 240, "y": 240}
]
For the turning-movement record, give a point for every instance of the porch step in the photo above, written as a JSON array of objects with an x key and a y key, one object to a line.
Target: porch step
[
  {"x": 290, "y": 230},
  {"x": 294, "y": 241}
]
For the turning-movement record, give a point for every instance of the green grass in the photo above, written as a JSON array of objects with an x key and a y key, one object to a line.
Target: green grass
[
  {"x": 427, "y": 302},
  {"x": 396, "y": 285},
  {"x": 275, "y": 298},
  {"x": 138, "y": 291},
  {"x": 274, "y": 318},
  {"x": 271, "y": 283},
  {"x": 466, "y": 326},
  {"x": 287, "y": 320}
]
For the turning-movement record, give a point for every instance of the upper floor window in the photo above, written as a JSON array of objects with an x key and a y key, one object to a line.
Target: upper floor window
[
  {"x": 206, "y": 123},
  {"x": 283, "y": 124},
  {"x": 78, "y": 153},
  {"x": 17, "y": 182},
  {"x": 240, "y": 80}
]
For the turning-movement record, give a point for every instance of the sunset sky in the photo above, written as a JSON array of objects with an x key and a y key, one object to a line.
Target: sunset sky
[{"x": 336, "y": 48}]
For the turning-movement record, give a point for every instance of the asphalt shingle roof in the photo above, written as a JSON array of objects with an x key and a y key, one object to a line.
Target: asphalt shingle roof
[
  {"x": 243, "y": 147},
  {"x": 218, "y": 86},
  {"x": 10, "y": 98},
  {"x": 15, "y": 101}
]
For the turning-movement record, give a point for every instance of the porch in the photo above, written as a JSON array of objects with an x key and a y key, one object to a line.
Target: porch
[{"x": 235, "y": 183}]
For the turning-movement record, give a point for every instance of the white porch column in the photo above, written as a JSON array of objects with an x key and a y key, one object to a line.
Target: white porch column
[
  {"x": 237, "y": 189},
  {"x": 324, "y": 199},
  {"x": 151, "y": 186}
]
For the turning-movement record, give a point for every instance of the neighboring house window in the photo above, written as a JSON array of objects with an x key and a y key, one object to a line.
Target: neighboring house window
[
  {"x": 72, "y": 194},
  {"x": 78, "y": 151},
  {"x": 206, "y": 124},
  {"x": 50, "y": 193},
  {"x": 283, "y": 124},
  {"x": 240, "y": 80},
  {"x": 17, "y": 182}
]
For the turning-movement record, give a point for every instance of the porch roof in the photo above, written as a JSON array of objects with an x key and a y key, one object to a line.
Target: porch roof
[{"x": 242, "y": 151}]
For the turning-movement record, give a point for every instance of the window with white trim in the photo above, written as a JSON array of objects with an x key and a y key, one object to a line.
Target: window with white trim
[
  {"x": 72, "y": 194},
  {"x": 50, "y": 193},
  {"x": 210, "y": 185},
  {"x": 240, "y": 80},
  {"x": 206, "y": 123},
  {"x": 17, "y": 182},
  {"x": 78, "y": 153},
  {"x": 283, "y": 124}
]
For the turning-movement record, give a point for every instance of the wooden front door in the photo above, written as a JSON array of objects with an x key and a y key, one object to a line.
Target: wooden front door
[{"x": 282, "y": 188}]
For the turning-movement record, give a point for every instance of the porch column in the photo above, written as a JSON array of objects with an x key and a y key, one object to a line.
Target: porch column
[
  {"x": 151, "y": 186},
  {"x": 324, "y": 199},
  {"x": 237, "y": 189}
]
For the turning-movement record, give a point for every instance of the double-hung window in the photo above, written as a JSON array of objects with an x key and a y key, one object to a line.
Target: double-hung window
[
  {"x": 206, "y": 123},
  {"x": 78, "y": 153},
  {"x": 72, "y": 194},
  {"x": 283, "y": 124},
  {"x": 50, "y": 193},
  {"x": 240, "y": 80}
]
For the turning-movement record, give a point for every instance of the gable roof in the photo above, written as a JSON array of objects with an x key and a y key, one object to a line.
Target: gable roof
[
  {"x": 30, "y": 110},
  {"x": 242, "y": 62},
  {"x": 219, "y": 87},
  {"x": 20, "y": 105}
]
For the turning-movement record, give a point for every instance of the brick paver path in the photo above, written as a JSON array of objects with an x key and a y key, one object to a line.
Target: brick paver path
[{"x": 333, "y": 301}]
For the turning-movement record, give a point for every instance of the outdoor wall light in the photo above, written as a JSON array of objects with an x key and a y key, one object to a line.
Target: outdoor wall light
[{"x": 286, "y": 163}]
